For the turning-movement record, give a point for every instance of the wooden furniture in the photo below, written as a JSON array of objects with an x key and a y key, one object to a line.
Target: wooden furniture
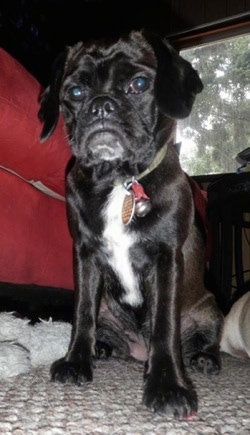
[{"x": 228, "y": 205}]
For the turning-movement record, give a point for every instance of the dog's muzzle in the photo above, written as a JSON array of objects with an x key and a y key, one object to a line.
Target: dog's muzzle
[
  {"x": 105, "y": 145},
  {"x": 104, "y": 142}
]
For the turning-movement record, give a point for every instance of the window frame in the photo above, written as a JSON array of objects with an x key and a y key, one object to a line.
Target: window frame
[{"x": 211, "y": 32}]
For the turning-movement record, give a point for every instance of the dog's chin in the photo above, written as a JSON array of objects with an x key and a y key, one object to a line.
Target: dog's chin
[{"x": 105, "y": 146}]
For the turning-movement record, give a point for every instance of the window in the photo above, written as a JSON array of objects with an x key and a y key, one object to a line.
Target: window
[{"x": 219, "y": 125}]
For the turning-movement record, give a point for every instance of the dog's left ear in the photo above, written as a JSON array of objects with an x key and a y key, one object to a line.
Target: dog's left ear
[
  {"x": 50, "y": 105},
  {"x": 177, "y": 82}
]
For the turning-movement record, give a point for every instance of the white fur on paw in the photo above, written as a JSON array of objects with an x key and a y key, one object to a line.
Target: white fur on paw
[{"x": 14, "y": 359}]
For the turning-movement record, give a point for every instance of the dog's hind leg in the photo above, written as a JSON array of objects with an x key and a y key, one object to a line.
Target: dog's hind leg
[
  {"x": 118, "y": 334},
  {"x": 111, "y": 341},
  {"x": 102, "y": 350},
  {"x": 201, "y": 332}
]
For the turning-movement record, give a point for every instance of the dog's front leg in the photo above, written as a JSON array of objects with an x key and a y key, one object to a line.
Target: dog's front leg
[
  {"x": 77, "y": 365},
  {"x": 167, "y": 388}
]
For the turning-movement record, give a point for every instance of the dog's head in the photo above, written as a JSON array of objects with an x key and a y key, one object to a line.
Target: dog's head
[{"x": 119, "y": 100}]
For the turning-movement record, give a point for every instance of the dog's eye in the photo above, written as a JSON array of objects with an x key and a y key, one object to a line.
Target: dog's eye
[
  {"x": 76, "y": 93},
  {"x": 138, "y": 85}
]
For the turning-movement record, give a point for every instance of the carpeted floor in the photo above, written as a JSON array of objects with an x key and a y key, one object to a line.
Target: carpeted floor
[{"x": 31, "y": 405}]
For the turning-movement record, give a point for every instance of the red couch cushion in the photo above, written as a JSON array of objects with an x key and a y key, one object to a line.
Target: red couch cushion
[
  {"x": 20, "y": 128},
  {"x": 36, "y": 247},
  {"x": 35, "y": 244}
]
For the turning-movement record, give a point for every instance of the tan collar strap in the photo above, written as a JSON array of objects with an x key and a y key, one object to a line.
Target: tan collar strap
[{"x": 156, "y": 162}]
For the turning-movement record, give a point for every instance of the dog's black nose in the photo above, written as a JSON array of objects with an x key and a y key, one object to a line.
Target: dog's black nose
[{"x": 102, "y": 107}]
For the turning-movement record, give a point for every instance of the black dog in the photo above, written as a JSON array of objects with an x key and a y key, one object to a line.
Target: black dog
[{"x": 138, "y": 254}]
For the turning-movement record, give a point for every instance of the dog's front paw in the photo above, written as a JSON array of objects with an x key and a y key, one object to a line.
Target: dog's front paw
[
  {"x": 205, "y": 363},
  {"x": 71, "y": 372},
  {"x": 161, "y": 396}
]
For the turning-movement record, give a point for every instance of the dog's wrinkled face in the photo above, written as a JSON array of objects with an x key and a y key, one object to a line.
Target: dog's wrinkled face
[
  {"x": 107, "y": 102},
  {"x": 116, "y": 101}
]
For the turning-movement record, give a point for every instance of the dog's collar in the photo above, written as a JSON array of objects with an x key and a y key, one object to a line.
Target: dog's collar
[
  {"x": 156, "y": 162},
  {"x": 136, "y": 201}
]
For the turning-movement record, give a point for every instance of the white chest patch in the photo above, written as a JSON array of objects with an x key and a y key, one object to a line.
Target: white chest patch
[{"x": 118, "y": 240}]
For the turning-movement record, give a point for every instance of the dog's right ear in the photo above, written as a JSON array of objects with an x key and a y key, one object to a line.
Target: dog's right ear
[
  {"x": 177, "y": 83},
  {"x": 50, "y": 104}
]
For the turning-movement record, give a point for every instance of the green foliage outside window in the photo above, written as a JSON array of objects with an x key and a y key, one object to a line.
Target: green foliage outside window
[{"x": 219, "y": 125}]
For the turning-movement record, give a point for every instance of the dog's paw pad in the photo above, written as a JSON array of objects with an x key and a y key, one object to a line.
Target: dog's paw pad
[
  {"x": 205, "y": 363},
  {"x": 71, "y": 372}
]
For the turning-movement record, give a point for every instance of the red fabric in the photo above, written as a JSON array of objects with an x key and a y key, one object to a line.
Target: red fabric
[
  {"x": 20, "y": 128},
  {"x": 36, "y": 247},
  {"x": 201, "y": 204},
  {"x": 35, "y": 244}
]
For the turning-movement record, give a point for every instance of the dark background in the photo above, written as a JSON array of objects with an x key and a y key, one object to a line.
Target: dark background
[{"x": 34, "y": 31}]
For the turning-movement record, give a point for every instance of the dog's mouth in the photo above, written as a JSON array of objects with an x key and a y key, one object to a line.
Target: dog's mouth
[{"x": 105, "y": 145}]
